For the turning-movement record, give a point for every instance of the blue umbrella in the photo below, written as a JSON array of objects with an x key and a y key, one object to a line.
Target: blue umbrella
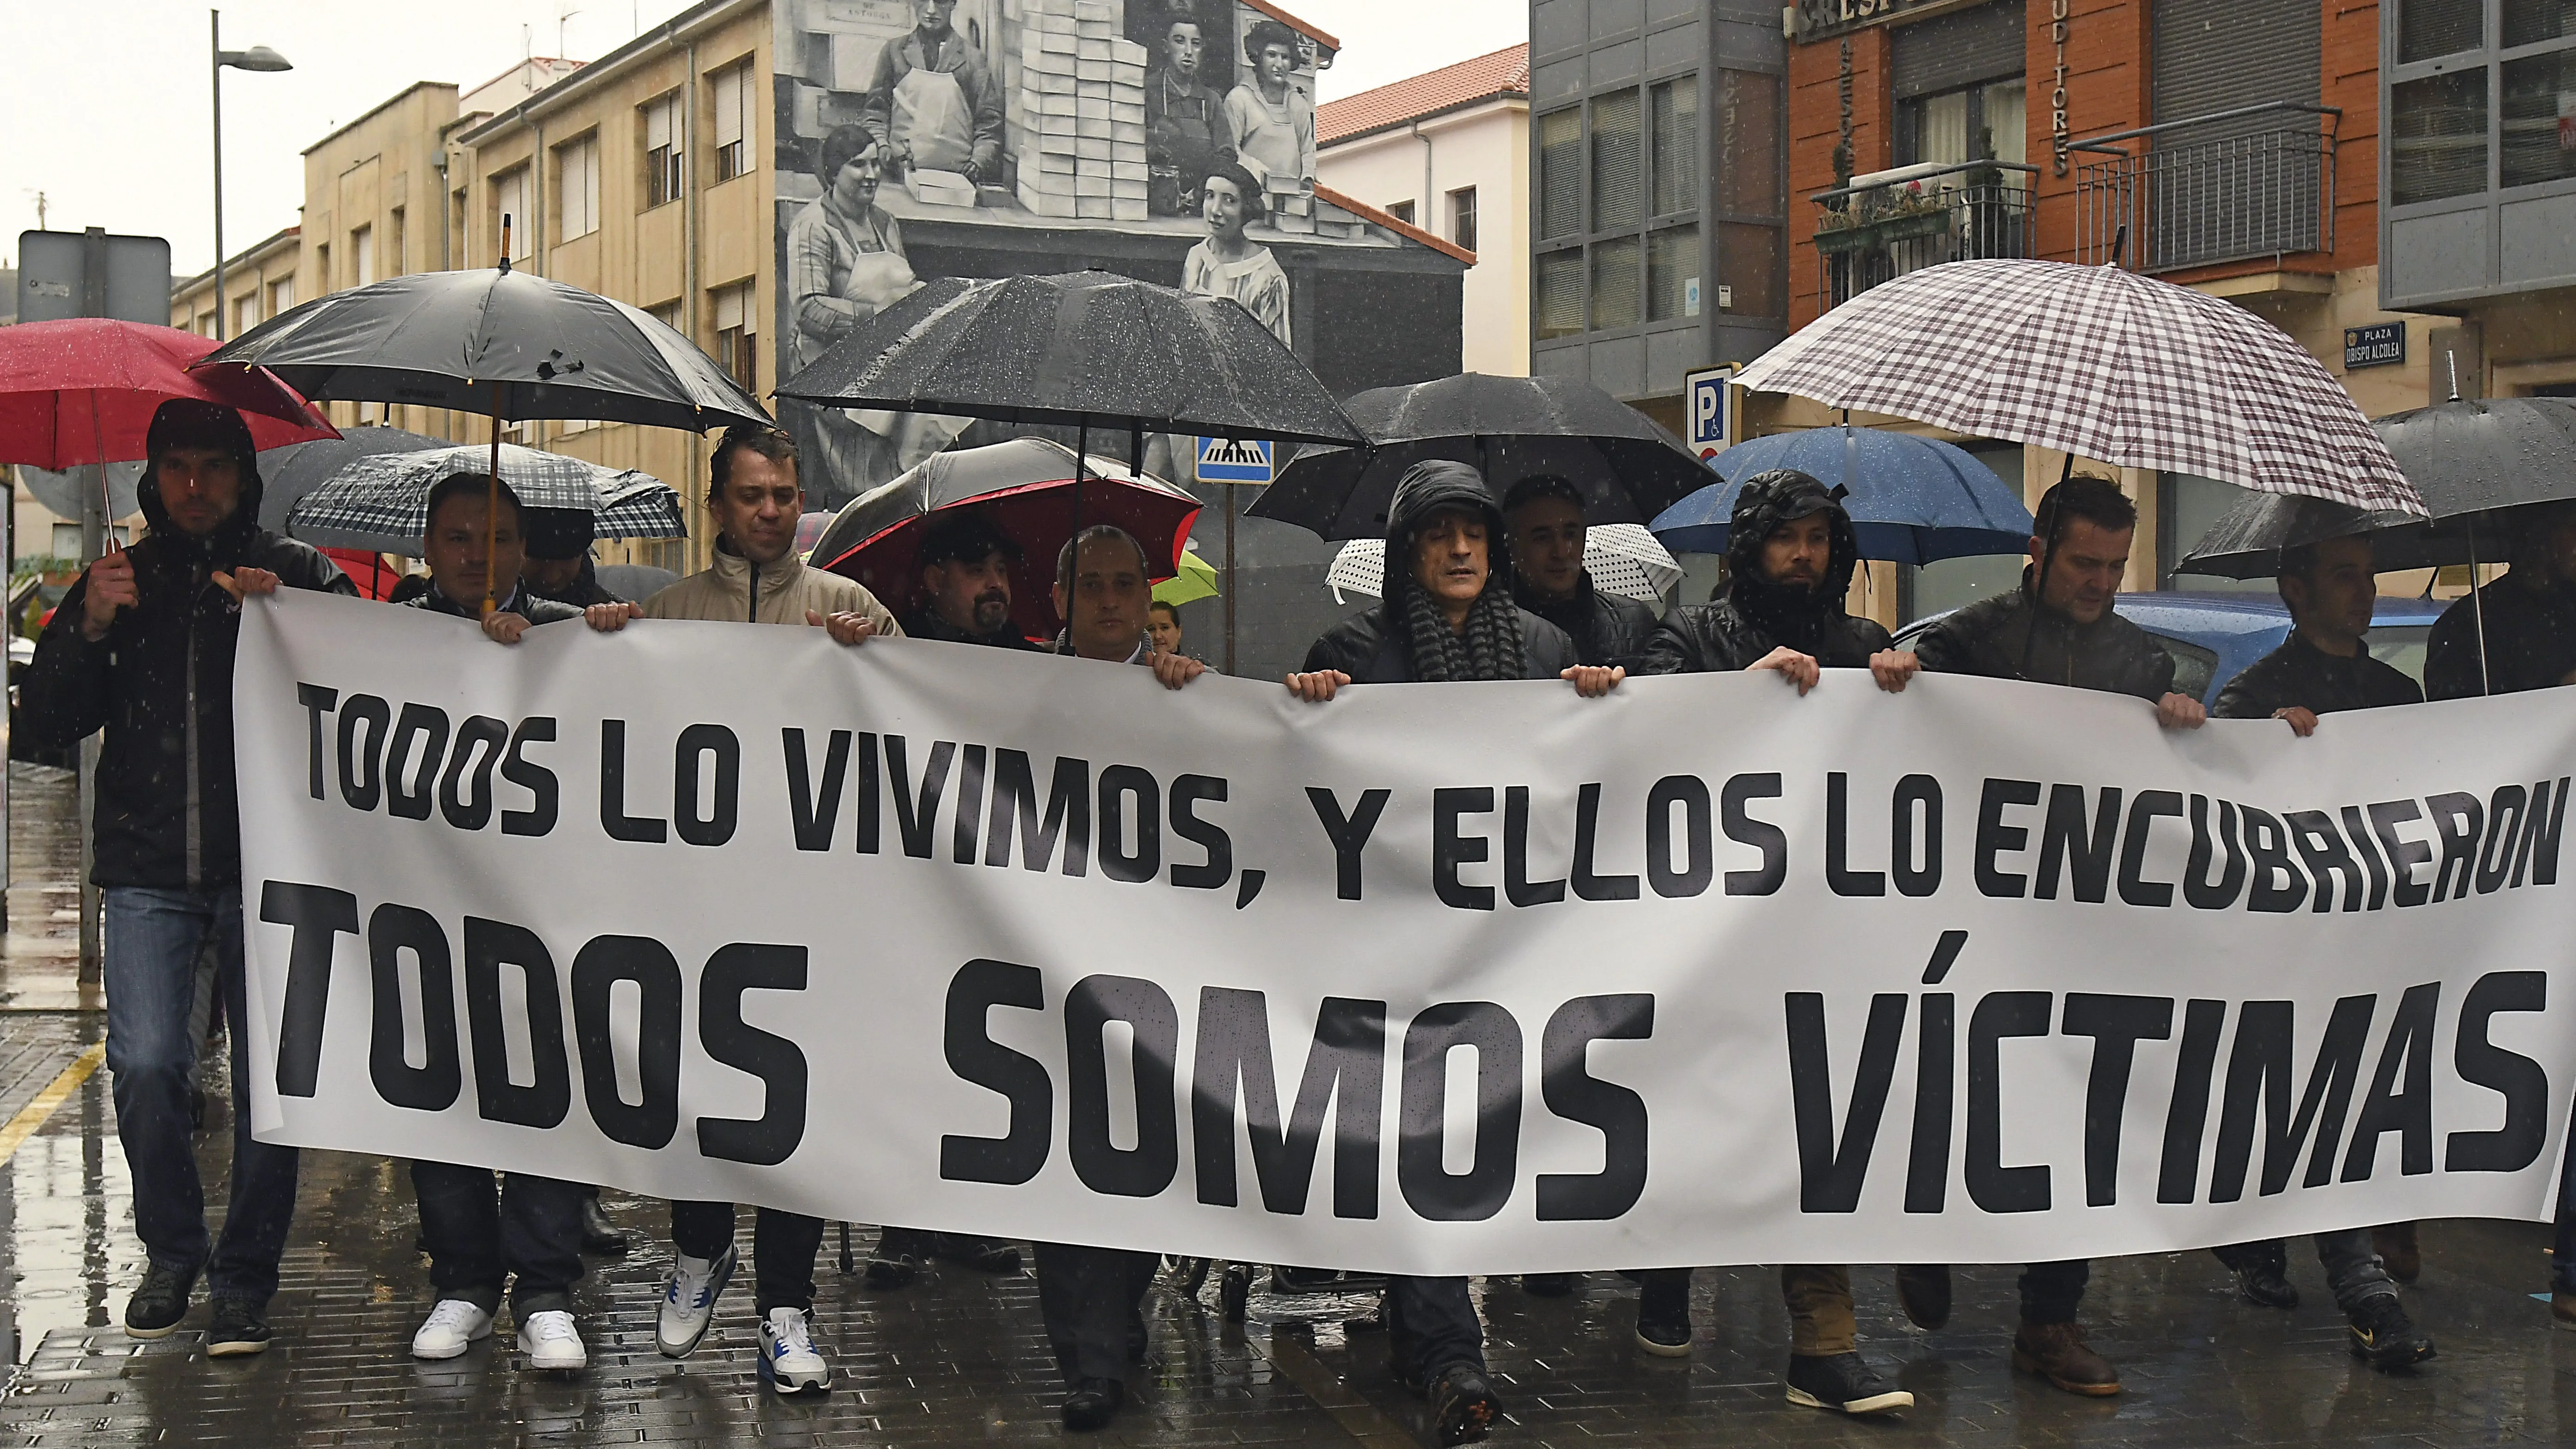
[{"x": 1912, "y": 499}]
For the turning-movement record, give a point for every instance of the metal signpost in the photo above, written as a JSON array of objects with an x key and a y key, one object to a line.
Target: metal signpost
[
  {"x": 1229, "y": 463},
  {"x": 91, "y": 274}
]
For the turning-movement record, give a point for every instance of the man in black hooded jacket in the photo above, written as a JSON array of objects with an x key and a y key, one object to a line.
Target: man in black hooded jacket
[
  {"x": 1445, "y": 613},
  {"x": 559, "y": 565},
  {"x": 142, "y": 646},
  {"x": 1545, "y": 514},
  {"x": 1790, "y": 555}
]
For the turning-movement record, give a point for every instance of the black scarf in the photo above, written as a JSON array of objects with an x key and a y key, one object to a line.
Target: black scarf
[{"x": 1490, "y": 649}]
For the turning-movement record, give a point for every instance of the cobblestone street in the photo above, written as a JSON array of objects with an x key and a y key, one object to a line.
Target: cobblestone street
[{"x": 960, "y": 1358}]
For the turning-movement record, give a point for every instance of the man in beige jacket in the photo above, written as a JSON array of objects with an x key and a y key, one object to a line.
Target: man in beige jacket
[{"x": 754, "y": 500}]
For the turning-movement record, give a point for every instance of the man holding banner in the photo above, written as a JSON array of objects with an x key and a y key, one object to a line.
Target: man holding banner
[{"x": 142, "y": 647}]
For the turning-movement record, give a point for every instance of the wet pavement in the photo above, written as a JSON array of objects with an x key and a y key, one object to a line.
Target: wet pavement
[{"x": 959, "y": 1358}]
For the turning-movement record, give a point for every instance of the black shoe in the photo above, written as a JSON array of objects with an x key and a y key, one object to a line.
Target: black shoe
[
  {"x": 1547, "y": 1285},
  {"x": 1843, "y": 1383},
  {"x": 2262, "y": 1273},
  {"x": 1924, "y": 1291},
  {"x": 2384, "y": 1336},
  {"x": 895, "y": 1264},
  {"x": 981, "y": 1254},
  {"x": 1665, "y": 1335},
  {"x": 159, "y": 1302},
  {"x": 240, "y": 1327},
  {"x": 1092, "y": 1404},
  {"x": 599, "y": 1237},
  {"x": 1463, "y": 1406}
]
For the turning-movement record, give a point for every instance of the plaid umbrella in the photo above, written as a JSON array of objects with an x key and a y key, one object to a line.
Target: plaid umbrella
[
  {"x": 1623, "y": 559},
  {"x": 2099, "y": 362},
  {"x": 381, "y": 501}
]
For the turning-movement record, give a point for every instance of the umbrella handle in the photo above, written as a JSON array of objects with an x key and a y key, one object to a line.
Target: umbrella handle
[{"x": 492, "y": 503}]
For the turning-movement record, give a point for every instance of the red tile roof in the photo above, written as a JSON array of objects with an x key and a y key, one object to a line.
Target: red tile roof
[
  {"x": 1503, "y": 73},
  {"x": 1393, "y": 223}
]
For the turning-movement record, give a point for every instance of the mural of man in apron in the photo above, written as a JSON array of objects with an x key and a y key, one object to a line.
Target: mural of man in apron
[
  {"x": 1186, "y": 133},
  {"x": 934, "y": 100}
]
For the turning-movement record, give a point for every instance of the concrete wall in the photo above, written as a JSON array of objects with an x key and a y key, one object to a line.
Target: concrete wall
[{"x": 1484, "y": 146}]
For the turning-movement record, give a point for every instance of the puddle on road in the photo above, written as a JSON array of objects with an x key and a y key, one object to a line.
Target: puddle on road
[{"x": 67, "y": 1213}]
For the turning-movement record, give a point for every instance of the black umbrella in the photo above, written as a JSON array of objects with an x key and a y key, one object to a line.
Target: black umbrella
[
  {"x": 1628, "y": 469},
  {"x": 1083, "y": 350},
  {"x": 505, "y": 344},
  {"x": 2246, "y": 542},
  {"x": 501, "y": 343}
]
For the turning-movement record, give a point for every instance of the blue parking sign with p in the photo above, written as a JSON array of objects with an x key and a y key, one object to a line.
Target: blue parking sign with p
[
  {"x": 1235, "y": 460},
  {"x": 1708, "y": 398}
]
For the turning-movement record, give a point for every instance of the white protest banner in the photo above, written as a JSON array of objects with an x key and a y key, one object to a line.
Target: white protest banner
[{"x": 1440, "y": 979}]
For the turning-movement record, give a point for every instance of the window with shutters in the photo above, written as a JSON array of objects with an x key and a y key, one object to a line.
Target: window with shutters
[
  {"x": 577, "y": 188},
  {"x": 2427, "y": 29},
  {"x": 1560, "y": 173},
  {"x": 510, "y": 216},
  {"x": 281, "y": 295},
  {"x": 1676, "y": 146},
  {"x": 1559, "y": 309},
  {"x": 1672, "y": 274},
  {"x": 733, "y": 90},
  {"x": 1615, "y": 283},
  {"x": 737, "y": 339},
  {"x": 661, "y": 150},
  {"x": 1618, "y": 149},
  {"x": 362, "y": 256}
]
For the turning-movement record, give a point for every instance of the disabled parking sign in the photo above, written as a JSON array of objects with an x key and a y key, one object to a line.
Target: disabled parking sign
[
  {"x": 1708, "y": 397},
  {"x": 1235, "y": 460}
]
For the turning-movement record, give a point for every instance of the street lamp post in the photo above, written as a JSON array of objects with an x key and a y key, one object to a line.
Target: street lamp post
[{"x": 258, "y": 57}]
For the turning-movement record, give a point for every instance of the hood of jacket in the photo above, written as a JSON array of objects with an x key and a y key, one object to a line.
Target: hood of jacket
[
  {"x": 1767, "y": 502},
  {"x": 235, "y": 533},
  {"x": 1426, "y": 489}
]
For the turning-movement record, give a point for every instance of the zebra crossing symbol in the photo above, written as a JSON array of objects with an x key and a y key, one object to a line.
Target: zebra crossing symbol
[{"x": 1235, "y": 460}]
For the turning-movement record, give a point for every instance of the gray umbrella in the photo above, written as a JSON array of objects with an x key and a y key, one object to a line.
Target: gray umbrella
[
  {"x": 287, "y": 474},
  {"x": 380, "y": 502}
]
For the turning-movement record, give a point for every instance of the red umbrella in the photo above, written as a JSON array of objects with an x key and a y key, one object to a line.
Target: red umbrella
[
  {"x": 1025, "y": 488},
  {"x": 82, "y": 391},
  {"x": 374, "y": 578}
]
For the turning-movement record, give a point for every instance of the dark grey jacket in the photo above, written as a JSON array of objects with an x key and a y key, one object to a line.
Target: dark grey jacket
[
  {"x": 161, "y": 685},
  {"x": 2300, "y": 675},
  {"x": 2009, "y": 636},
  {"x": 1606, "y": 629},
  {"x": 1361, "y": 647}
]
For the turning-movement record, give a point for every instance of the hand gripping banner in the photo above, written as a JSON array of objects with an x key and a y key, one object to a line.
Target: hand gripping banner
[{"x": 1434, "y": 979}]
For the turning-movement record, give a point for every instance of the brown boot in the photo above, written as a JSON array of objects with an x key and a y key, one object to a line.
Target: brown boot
[
  {"x": 2562, "y": 1309},
  {"x": 2057, "y": 1353},
  {"x": 2397, "y": 1251}
]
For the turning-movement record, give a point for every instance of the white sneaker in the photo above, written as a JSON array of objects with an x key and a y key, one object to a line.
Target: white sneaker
[
  {"x": 551, "y": 1342},
  {"x": 453, "y": 1327},
  {"x": 789, "y": 1362},
  {"x": 689, "y": 1300}
]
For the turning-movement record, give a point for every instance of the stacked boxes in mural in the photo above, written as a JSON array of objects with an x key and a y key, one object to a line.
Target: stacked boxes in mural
[{"x": 1077, "y": 120}]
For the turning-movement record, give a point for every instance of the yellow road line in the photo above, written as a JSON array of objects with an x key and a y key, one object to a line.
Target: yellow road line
[{"x": 57, "y": 1092}]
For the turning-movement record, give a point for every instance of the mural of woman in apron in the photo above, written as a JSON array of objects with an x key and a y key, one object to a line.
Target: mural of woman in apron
[
  {"x": 845, "y": 263},
  {"x": 1227, "y": 264},
  {"x": 934, "y": 101}
]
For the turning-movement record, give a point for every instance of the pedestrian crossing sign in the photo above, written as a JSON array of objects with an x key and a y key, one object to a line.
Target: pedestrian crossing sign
[{"x": 1235, "y": 460}]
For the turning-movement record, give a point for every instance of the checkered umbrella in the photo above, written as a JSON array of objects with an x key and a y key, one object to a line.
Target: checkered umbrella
[
  {"x": 1623, "y": 559},
  {"x": 381, "y": 501},
  {"x": 2097, "y": 362}
]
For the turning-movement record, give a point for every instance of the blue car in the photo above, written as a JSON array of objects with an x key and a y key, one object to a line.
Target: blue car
[{"x": 2214, "y": 636}]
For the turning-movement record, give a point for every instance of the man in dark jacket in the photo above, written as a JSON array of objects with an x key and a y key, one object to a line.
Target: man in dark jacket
[
  {"x": 1545, "y": 516},
  {"x": 2059, "y": 628},
  {"x": 2322, "y": 668},
  {"x": 1445, "y": 613},
  {"x": 965, "y": 565},
  {"x": 1091, "y": 1298},
  {"x": 142, "y": 646},
  {"x": 482, "y": 1233},
  {"x": 558, "y": 565},
  {"x": 2530, "y": 616},
  {"x": 1790, "y": 554}
]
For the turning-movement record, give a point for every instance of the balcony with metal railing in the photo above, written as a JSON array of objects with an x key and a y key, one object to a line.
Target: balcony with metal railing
[
  {"x": 2235, "y": 186},
  {"x": 1886, "y": 224}
]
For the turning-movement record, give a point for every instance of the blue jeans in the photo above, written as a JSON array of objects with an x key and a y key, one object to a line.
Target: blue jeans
[
  {"x": 2562, "y": 1277},
  {"x": 153, "y": 941},
  {"x": 482, "y": 1230},
  {"x": 1431, "y": 1325}
]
